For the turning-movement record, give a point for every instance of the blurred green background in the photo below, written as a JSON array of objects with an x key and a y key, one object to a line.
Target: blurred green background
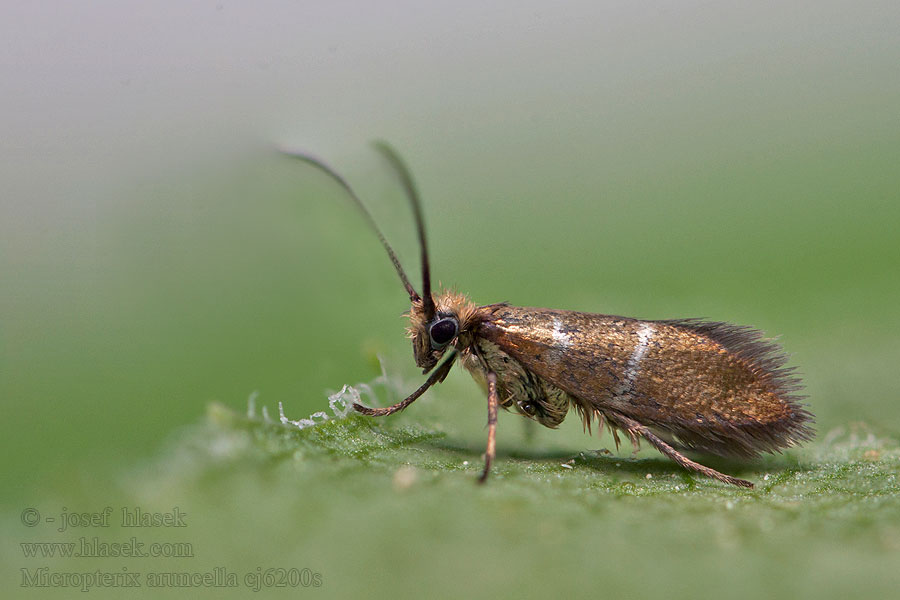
[{"x": 666, "y": 161}]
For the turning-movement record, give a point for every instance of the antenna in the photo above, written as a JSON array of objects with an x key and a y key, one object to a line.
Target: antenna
[
  {"x": 409, "y": 187},
  {"x": 322, "y": 166}
]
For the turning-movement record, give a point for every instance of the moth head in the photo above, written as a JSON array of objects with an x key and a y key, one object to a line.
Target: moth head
[
  {"x": 430, "y": 339},
  {"x": 449, "y": 326}
]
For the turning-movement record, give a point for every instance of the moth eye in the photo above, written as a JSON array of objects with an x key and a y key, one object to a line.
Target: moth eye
[{"x": 442, "y": 332}]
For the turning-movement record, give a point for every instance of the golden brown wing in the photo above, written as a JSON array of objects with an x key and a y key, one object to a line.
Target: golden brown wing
[{"x": 714, "y": 387}]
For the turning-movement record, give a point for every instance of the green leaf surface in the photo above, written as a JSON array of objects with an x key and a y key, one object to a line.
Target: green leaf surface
[{"x": 394, "y": 505}]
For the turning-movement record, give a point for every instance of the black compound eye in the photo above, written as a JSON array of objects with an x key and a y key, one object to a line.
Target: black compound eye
[{"x": 442, "y": 332}]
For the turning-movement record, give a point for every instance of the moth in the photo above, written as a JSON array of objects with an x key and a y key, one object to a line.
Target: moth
[{"x": 681, "y": 385}]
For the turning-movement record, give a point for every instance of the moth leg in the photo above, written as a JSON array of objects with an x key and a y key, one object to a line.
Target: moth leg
[
  {"x": 493, "y": 402},
  {"x": 634, "y": 427},
  {"x": 437, "y": 376}
]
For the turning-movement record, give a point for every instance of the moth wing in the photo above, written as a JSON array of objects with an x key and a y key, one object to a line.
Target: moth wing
[{"x": 714, "y": 387}]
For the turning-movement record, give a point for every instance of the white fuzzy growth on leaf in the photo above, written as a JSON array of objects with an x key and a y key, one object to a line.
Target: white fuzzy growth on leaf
[
  {"x": 340, "y": 403},
  {"x": 251, "y": 405}
]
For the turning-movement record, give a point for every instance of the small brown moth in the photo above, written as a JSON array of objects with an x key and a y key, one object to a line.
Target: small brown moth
[{"x": 684, "y": 384}]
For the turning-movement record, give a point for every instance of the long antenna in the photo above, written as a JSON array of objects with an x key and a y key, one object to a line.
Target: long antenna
[
  {"x": 321, "y": 165},
  {"x": 410, "y": 188}
]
